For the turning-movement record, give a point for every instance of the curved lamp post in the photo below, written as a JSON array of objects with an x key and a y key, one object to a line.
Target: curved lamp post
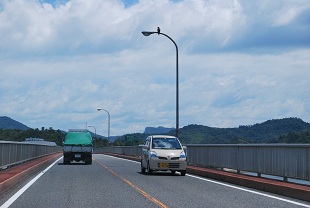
[
  {"x": 147, "y": 33},
  {"x": 95, "y": 130},
  {"x": 99, "y": 109}
]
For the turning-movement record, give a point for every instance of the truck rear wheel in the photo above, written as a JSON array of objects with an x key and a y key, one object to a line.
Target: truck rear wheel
[
  {"x": 89, "y": 162},
  {"x": 88, "y": 159},
  {"x": 66, "y": 159}
]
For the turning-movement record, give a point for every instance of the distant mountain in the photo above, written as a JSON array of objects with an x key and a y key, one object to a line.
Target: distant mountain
[
  {"x": 112, "y": 138},
  {"x": 286, "y": 130},
  {"x": 266, "y": 132},
  {"x": 8, "y": 123},
  {"x": 157, "y": 130}
]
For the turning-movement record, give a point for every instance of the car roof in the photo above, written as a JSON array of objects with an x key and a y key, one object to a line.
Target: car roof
[{"x": 162, "y": 136}]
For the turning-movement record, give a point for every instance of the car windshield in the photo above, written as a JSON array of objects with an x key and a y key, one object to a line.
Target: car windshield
[{"x": 165, "y": 143}]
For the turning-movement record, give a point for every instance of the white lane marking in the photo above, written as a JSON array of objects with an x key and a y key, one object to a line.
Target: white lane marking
[
  {"x": 122, "y": 158},
  {"x": 250, "y": 191},
  {"x": 235, "y": 187},
  {"x": 11, "y": 200}
]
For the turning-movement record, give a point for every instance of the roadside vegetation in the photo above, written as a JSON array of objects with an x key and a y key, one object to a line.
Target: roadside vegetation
[{"x": 287, "y": 130}]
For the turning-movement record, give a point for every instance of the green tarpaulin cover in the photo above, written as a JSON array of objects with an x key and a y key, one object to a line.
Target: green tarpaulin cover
[{"x": 78, "y": 138}]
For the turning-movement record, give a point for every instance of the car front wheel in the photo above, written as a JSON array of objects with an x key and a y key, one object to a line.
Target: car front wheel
[
  {"x": 142, "y": 168},
  {"x": 149, "y": 170}
]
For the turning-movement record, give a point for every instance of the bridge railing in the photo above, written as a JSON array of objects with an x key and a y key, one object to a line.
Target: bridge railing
[
  {"x": 12, "y": 153},
  {"x": 284, "y": 160}
]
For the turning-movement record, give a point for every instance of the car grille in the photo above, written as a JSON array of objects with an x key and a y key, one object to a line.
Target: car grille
[
  {"x": 171, "y": 165},
  {"x": 174, "y": 165},
  {"x": 164, "y": 158}
]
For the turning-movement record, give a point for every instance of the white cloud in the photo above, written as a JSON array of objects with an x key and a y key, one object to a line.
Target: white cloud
[{"x": 58, "y": 64}]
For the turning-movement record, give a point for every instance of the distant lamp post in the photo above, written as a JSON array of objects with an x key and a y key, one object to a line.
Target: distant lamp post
[
  {"x": 95, "y": 130},
  {"x": 99, "y": 109},
  {"x": 147, "y": 33}
]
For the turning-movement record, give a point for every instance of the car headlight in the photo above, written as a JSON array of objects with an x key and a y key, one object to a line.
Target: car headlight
[
  {"x": 153, "y": 154},
  {"x": 182, "y": 155}
]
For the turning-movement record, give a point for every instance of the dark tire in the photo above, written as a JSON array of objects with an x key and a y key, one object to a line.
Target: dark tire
[
  {"x": 66, "y": 160},
  {"x": 183, "y": 172},
  {"x": 88, "y": 159},
  {"x": 149, "y": 170},
  {"x": 142, "y": 168}
]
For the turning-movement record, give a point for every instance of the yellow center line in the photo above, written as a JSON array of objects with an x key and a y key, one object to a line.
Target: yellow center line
[{"x": 160, "y": 204}]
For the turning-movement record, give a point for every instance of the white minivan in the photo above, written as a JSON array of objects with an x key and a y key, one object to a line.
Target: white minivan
[{"x": 162, "y": 152}]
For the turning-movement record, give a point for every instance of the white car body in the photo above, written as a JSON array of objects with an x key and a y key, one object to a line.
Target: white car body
[{"x": 162, "y": 153}]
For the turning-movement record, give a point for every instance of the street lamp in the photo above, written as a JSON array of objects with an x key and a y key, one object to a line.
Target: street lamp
[
  {"x": 99, "y": 109},
  {"x": 95, "y": 130},
  {"x": 147, "y": 33}
]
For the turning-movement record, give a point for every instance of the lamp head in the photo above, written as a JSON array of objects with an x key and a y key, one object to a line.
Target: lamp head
[{"x": 146, "y": 33}]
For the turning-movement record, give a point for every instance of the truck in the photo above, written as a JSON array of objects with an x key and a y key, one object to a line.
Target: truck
[{"x": 78, "y": 146}]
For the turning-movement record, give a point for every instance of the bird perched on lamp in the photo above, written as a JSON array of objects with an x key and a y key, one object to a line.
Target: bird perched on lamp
[{"x": 158, "y": 30}]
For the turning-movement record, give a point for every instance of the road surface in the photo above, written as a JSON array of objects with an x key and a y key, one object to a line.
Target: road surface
[{"x": 115, "y": 182}]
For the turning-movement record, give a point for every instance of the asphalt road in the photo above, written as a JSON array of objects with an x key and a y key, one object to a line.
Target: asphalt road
[{"x": 115, "y": 182}]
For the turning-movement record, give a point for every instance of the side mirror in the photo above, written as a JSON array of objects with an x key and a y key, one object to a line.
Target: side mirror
[
  {"x": 143, "y": 146},
  {"x": 184, "y": 147}
]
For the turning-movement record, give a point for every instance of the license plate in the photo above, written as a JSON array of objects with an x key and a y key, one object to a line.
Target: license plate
[
  {"x": 77, "y": 155},
  {"x": 163, "y": 165}
]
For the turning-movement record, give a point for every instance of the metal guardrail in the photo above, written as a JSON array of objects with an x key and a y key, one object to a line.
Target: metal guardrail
[
  {"x": 284, "y": 160},
  {"x": 122, "y": 150},
  {"x": 12, "y": 153}
]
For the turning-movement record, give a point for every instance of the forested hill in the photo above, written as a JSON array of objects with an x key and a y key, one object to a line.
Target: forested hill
[
  {"x": 8, "y": 123},
  {"x": 157, "y": 130},
  {"x": 285, "y": 130}
]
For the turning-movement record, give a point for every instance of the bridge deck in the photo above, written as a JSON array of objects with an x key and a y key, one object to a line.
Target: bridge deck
[{"x": 13, "y": 175}]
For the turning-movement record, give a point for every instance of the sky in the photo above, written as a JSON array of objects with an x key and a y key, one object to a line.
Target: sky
[{"x": 241, "y": 62}]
